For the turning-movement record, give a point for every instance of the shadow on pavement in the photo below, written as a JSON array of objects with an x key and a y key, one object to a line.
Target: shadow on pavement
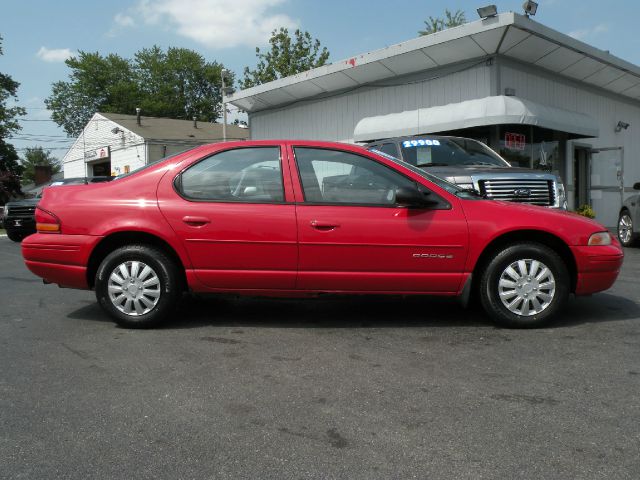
[{"x": 362, "y": 312}]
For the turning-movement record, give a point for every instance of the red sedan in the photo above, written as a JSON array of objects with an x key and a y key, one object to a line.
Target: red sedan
[{"x": 297, "y": 218}]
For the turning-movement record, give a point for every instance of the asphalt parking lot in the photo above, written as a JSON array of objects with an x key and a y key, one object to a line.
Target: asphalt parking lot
[{"x": 324, "y": 388}]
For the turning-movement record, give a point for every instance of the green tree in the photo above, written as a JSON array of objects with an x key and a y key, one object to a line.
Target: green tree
[
  {"x": 286, "y": 56},
  {"x": 178, "y": 83},
  {"x": 96, "y": 83},
  {"x": 37, "y": 156},
  {"x": 9, "y": 167},
  {"x": 437, "y": 24}
]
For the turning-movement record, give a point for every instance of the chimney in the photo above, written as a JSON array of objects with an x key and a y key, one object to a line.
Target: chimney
[
  {"x": 42, "y": 174},
  {"x": 138, "y": 116},
  {"x": 195, "y": 122}
]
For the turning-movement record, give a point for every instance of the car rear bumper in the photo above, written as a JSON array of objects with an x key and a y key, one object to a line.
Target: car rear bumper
[
  {"x": 60, "y": 259},
  {"x": 598, "y": 267}
]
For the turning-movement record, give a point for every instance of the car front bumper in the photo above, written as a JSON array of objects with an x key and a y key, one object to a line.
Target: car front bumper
[
  {"x": 20, "y": 226},
  {"x": 598, "y": 267}
]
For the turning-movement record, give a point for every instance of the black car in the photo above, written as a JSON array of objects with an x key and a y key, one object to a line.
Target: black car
[{"x": 19, "y": 215}]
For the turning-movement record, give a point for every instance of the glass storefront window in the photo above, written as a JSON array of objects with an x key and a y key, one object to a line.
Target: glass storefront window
[
  {"x": 523, "y": 146},
  {"x": 515, "y": 145},
  {"x": 532, "y": 147}
]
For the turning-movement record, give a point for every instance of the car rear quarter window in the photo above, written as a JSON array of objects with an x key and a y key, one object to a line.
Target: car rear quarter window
[{"x": 249, "y": 175}]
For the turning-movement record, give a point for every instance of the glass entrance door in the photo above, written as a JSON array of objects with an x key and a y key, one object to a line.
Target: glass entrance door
[{"x": 606, "y": 184}]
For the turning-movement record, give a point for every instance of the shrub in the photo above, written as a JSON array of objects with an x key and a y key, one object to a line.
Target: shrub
[{"x": 586, "y": 211}]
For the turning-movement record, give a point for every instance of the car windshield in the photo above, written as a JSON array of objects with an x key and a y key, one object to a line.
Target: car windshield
[{"x": 427, "y": 152}]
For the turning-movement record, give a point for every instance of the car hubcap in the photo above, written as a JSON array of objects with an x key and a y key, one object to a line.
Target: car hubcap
[
  {"x": 134, "y": 288},
  {"x": 625, "y": 228},
  {"x": 526, "y": 287}
]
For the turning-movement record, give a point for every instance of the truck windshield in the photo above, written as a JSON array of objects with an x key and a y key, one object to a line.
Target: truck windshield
[
  {"x": 448, "y": 186},
  {"x": 449, "y": 151}
]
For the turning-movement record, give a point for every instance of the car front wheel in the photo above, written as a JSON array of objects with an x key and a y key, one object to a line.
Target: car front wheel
[
  {"x": 524, "y": 285},
  {"x": 138, "y": 286},
  {"x": 625, "y": 230}
]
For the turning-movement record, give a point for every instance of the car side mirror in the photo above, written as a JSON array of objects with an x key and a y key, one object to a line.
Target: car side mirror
[
  {"x": 414, "y": 198},
  {"x": 636, "y": 186}
]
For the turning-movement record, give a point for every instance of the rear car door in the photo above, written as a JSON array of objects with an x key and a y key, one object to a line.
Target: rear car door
[
  {"x": 235, "y": 214},
  {"x": 353, "y": 237}
]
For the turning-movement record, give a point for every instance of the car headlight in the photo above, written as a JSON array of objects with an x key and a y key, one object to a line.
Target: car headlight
[
  {"x": 600, "y": 239},
  {"x": 6, "y": 211},
  {"x": 466, "y": 186}
]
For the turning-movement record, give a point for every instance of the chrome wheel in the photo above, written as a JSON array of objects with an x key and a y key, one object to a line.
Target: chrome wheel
[
  {"x": 625, "y": 228},
  {"x": 134, "y": 288},
  {"x": 527, "y": 287}
]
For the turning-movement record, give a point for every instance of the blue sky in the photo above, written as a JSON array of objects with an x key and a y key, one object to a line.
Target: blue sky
[{"x": 39, "y": 34}]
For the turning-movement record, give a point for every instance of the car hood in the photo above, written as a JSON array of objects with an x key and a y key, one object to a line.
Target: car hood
[
  {"x": 23, "y": 202},
  {"x": 472, "y": 170},
  {"x": 574, "y": 229}
]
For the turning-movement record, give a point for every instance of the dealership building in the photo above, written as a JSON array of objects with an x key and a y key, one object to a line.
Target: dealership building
[
  {"x": 115, "y": 143},
  {"x": 537, "y": 96}
]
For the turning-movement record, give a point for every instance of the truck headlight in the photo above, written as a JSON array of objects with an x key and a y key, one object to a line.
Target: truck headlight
[{"x": 562, "y": 196}]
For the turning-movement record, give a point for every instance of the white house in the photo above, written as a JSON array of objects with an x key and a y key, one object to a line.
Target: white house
[{"x": 114, "y": 143}]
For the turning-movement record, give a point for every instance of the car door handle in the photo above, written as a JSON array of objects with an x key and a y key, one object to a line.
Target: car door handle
[
  {"x": 324, "y": 225},
  {"x": 195, "y": 221}
]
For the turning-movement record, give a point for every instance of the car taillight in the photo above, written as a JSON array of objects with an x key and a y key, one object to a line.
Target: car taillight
[{"x": 46, "y": 222}]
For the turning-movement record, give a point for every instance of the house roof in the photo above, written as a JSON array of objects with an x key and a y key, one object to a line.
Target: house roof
[
  {"x": 154, "y": 128},
  {"x": 508, "y": 34}
]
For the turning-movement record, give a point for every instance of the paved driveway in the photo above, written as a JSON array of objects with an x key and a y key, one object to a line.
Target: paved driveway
[{"x": 325, "y": 388}]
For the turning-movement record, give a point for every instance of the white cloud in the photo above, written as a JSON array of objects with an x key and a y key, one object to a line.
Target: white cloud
[
  {"x": 120, "y": 21},
  {"x": 54, "y": 54},
  {"x": 218, "y": 23},
  {"x": 123, "y": 20},
  {"x": 585, "y": 33}
]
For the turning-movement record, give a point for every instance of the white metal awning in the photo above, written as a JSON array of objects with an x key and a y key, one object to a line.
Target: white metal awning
[
  {"x": 498, "y": 110},
  {"x": 507, "y": 34}
]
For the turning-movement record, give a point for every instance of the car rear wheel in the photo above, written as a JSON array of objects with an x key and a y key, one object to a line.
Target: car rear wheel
[
  {"x": 138, "y": 286},
  {"x": 524, "y": 285},
  {"x": 625, "y": 230}
]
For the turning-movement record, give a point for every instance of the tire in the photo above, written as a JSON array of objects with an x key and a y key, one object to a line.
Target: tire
[
  {"x": 15, "y": 237},
  {"x": 625, "y": 230},
  {"x": 153, "y": 290},
  {"x": 512, "y": 278}
]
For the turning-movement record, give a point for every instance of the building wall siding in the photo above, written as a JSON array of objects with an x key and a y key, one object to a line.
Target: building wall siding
[
  {"x": 605, "y": 108},
  {"x": 335, "y": 118}
]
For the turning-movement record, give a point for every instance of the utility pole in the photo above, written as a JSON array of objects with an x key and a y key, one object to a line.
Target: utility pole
[{"x": 224, "y": 74}]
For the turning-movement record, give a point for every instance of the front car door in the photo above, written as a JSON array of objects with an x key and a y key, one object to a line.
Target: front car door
[
  {"x": 234, "y": 211},
  {"x": 353, "y": 236}
]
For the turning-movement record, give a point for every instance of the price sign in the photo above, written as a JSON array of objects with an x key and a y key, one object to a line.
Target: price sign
[{"x": 515, "y": 141}]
